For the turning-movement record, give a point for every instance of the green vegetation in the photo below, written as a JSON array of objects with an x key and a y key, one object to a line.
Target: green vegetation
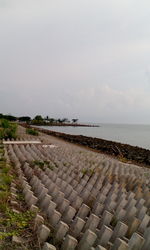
[
  {"x": 74, "y": 120},
  {"x": 8, "y": 117},
  {"x": 7, "y": 129},
  {"x": 38, "y": 163},
  {"x": 5, "y": 123},
  {"x": 67, "y": 164},
  {"x": 5, "y": 181},
  {"x": 12, "y": 222},
  {"x": 84, "y": 171},
  {"x": 32, "y": 131},
  {"x": 41, "y": 164},
  {"x": 87, "y": 171},
  {"x": 15, "y": 223},
  {"x": 24, "y": 119},
  {"x": 114, "y": 221},
  {"x": 39, "y": 120},
  {"x": 122, "y": 159}
]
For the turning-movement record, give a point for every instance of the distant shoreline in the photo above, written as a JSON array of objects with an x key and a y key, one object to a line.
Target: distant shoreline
[{"x": 66, "y": 125}]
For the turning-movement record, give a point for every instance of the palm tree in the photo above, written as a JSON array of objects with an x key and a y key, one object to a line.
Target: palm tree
[{"x": 75, "y": 120}]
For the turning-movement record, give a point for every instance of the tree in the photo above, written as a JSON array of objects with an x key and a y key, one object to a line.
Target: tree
[
  {"x": 74, "y": 120},
  {"x": 10, "y": 117},
  {"x": 1, "y": 116},
  {"x": 60, "y": 120},
  {"x": 38, "y": 118},
  {"x": 65, "y": 120},
  {"x": 52, "y": 120},
  {"x": 47, "y": 118},
  {"x": 24, "y": 118}
]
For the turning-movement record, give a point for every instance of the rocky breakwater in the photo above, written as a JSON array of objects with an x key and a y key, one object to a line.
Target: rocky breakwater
[{"x": 123, "y": 151}]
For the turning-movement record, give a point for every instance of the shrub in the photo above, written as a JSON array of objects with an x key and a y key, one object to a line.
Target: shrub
[
  {"x": 32, "y": 131},
  {"x": 84, "y": 171},
  {"x": 7, "y": 130},
  {"x": 39, "y": 163},
  {"x": 5, "y": 123}
]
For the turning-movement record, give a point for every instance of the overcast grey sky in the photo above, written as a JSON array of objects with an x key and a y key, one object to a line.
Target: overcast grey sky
[{"x": 88, "y": 59}]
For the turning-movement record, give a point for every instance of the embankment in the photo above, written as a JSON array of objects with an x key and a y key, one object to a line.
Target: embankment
[{"x": 123, "y": 151}]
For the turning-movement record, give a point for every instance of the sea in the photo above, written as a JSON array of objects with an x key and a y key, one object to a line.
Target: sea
[{"x": 135, "y": 135}]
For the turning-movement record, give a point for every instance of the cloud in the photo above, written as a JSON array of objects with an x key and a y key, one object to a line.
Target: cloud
[
  {"x": 76, "y": 58},
  {"x": 105, "y": 101}
]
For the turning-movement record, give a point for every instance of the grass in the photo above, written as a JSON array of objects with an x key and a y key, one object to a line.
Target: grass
[
  {"x": 14, "y": 223},
  {"x": 88, "y": 171},
  {"x": 32, "y": 131},
  {"x": 42, "y": 164},
  {"x": 7, "y": 130},
  {"x": 5, "y": 181},
  {"x": 39, "y": 163},
  {"x": 123, "y": 159}
]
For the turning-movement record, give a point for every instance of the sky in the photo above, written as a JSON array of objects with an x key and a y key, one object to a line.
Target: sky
[{"x": 85, "y": 59}]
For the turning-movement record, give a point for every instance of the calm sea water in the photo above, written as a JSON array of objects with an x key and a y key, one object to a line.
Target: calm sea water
[{"x": 136, "y": 135}]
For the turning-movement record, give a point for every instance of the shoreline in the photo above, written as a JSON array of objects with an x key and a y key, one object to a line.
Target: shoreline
[
  {"x": 66, "y": 125},
  {"x": 123, "y": 152}
]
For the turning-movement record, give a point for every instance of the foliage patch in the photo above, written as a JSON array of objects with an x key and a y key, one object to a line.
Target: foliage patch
[
  {"x": 32, "y": 131},
  {"x": 7, "y": 130}
]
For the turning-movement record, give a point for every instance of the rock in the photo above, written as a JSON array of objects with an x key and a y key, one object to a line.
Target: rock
[{"x": 17, "y": 240}]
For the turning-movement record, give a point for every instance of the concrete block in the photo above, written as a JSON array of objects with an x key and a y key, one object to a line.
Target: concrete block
[
  {"x": 39, "y": 220},
  {"x": 72, "y": 196},
  {"x": 33, "y": 200},
  {"x": 141, "y": 213},
  {"x": 144, "y": 223},
  {"x": 59, "y": 198},
  {"x": 55, "y": 218},
  {"x": 46, "y": 202},
  {"x": 48, "y": 246},
  {"x": 106, "y": 219},
  {"x": 69, "y": 214},
  {"x": 92, "y": 223},
  {"x": 120, "y": 230},
  {"x": 34, "y": 208},
  {"x": 120, "y": 245},
  {"x": 87, "y": 240},
  {"x": 77, "y": 226},
  {"x": 136, "y": 242},
  {"x": 51, "y": 208},
  {"x": 77, "y": 202},
  {"x": 100, "y": 248},
  {"x": 133, "y": 226},
  {"x": 104, "y": 236},
  {"x": 62, "y": 229},
  {"x": 98, "y": 208},
  {"x": 146, "y": 245},
  {"x": 43, "y": 233},
  {"x": 70, "y": 243},
  {"x": 83, "y": 211},
  {"x": 64, "y": 205}
]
